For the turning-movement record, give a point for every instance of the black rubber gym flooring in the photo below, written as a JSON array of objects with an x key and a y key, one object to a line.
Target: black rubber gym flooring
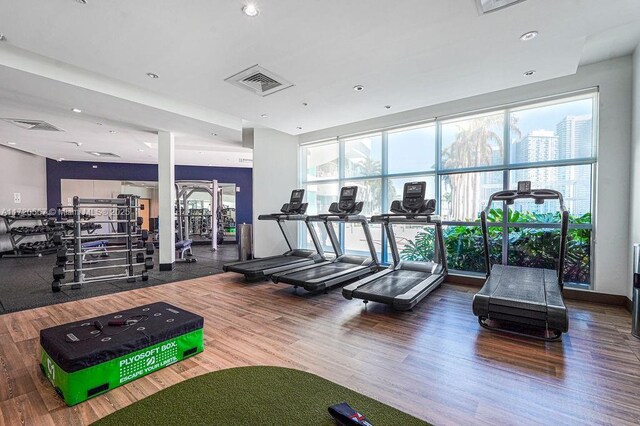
[{"x": 26, "y": 282}]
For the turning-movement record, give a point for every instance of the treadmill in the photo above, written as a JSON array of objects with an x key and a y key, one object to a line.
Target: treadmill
[
  {"x": 521, "y": 296},
  {"x": 259, "y": 269},
  {"x": 321, "y": 276},
  {"x": 404, "y": 284}
]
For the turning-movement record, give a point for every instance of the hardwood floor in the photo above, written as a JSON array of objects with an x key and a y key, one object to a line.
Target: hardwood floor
[{"x": 434, "y": 362}]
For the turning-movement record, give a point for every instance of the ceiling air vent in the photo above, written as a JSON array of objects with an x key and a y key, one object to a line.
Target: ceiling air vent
[
  {"x": 258, "y": 80},
  {"x": 486, "y": 6},
  {"x": 32, "y": 124},
  {"x": 103, "y": 154}
]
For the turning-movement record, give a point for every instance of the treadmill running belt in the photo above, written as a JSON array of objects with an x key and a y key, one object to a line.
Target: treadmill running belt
[
  {"x": 393, "y": 284},
  {"x": 259, "y": 265},
  {"x": 515, "y": 286},
  {"x": 320, "y": 271}
]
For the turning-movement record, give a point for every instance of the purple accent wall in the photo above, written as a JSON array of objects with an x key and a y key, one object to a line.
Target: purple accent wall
[{"x": 242, "y": 177}]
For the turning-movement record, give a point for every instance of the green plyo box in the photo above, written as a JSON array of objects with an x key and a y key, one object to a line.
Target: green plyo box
[{"x": 90, "y": 357}]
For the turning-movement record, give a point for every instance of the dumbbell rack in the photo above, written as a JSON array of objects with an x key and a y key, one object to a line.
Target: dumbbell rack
[
  {"x": 73, "y": 257},
  {"x": 16, "y": 236}
]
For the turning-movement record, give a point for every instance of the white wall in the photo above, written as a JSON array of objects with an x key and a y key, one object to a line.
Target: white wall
[
  {"x": 24, "y": 173},
  {"x": 612, "y": 200},
  {"x": 275, "y": 175},
  {"x": 634, "y": 212},
  {"x": 87, "y": 188}
]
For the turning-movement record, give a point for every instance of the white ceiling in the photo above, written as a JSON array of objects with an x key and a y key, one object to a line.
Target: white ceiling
[
  {"x": 407, "y": 54},
  {"x": 136, "y": 126}
]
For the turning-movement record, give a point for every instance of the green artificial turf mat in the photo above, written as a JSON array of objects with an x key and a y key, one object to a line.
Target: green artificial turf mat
[{"x": 253, "y": 396}]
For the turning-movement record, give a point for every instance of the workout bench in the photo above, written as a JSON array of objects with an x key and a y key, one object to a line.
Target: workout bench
[
  {"x": 93, "y": 248},
  {"x": 183, "y": 251}
]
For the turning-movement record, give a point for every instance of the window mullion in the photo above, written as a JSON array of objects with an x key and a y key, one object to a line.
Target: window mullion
[{"x": 506, "y": 160}]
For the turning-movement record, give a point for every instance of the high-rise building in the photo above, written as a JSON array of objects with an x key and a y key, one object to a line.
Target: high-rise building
[
  {"x": 538, "y": 145},
  {"x": 575, "y": 140},
  {"x": 575, "y": 137}
]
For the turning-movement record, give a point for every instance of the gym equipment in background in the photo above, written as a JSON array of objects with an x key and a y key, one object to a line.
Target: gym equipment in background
[
  {"x": 77, "y": 253},
  {"x": 405, "y": 283},
  {"x": 326, "y": 274},
  {"x": 198, "y": 221},
  {"x": 17, "y": 234},
  {"x": 258, "y": 269},
  {"x": 524, "y": 296},
  {"x": 92, "y": 356},
  {"x": 184, "y": 252}
]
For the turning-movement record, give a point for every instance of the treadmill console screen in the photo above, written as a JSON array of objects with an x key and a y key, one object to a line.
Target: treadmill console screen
[
  {"x": 413, "y": 196},
  {"x": 347, "y": 197},
  {"x": 524, "y": 187},
  {"x": 297, "y": 195},
  {"x": 414, "y": 189},
  {"x": 296, "y": 199},
  {"x": 347, "y": 192}
]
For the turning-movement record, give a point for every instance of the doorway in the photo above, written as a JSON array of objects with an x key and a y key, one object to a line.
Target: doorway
[{"x": 145, "y": 209}]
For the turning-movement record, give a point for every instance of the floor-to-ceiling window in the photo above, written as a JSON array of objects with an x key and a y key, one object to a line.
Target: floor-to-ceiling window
[{"x": 464, "y": 159}]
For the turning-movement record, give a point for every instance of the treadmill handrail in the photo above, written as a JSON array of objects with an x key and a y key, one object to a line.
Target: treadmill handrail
[
  {"x": 327, "y": 218},
  {"x": 535, "y": 194},
  {"x": 406, "y": 218},
  {"x": 282, "y": 216},
  {"x": 333, "y": 217},
  {"x": 509, "y": 196}
]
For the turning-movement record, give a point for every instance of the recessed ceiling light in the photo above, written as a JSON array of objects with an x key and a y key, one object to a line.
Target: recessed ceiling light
[
  {"x": 209, "y": 164},
  {"x": 305, "y": 104},
  {"x": 387, "y": 106},
  {"x": 529, "y": 35},
  {"x": 97, "y": 154},
  {"x": 529, "y": 73},
  {"x": 299, "y": 128},
  {"x": 263, "y": 115},
  {"x": 2, "y": 37},
  {"x": 152, "y": 75},
  {"x": 214, "y": 134},
  {"x": 358, "y": 88},
  {"x": 60, "y": 159},
  {"x": 76, "y": 110},
  {"x": 113, "y": 132},
  {"x": 250, "y": 10},
  {"x": 140, "y": 150},
  {"x": 11, "y": 143}
]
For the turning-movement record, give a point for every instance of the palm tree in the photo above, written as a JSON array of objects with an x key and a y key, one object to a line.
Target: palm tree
[
  {"x": 369, "y": 167},
  {"x": 475, "y": 144}
]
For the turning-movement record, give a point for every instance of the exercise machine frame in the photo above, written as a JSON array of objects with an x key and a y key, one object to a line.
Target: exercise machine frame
[{"x": 555, "y": 314}]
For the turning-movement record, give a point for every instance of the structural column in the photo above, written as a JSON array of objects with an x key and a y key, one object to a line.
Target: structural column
[{"x": 166, "y": 200}]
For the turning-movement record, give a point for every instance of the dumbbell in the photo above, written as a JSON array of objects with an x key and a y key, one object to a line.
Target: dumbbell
[
  {"x": 150, "y": 249},
  {"x": 58, "y": 273},
  {"x": 61, "y": 256},
  {"x": 139, "y": 220},
  {"x": 144, "y": 276},
  {"x": 139, "y": 257},
  {"x": 148, "y": 263},
  {"x": 144, "y": 235},
  {"x": 57, "y": 239}
]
